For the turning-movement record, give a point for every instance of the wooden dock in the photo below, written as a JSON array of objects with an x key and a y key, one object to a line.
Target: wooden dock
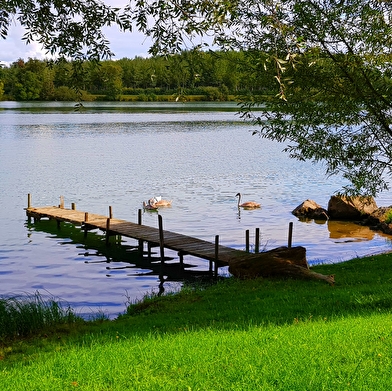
[{"x": 216, "y": 254}]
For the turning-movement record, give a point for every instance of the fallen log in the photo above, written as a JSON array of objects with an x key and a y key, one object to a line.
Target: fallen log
[{"x": 282, "y": 261}]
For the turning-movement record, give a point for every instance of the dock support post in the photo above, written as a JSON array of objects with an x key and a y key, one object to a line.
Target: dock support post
[
  {"x": 257, "y": 240},
  {"x": 85, "y": 223},
  {"x": 216, "y": 256},
  {"x": 181, "y": 256},
  {"x": 139, "y": 221},
  {"x": 28, "y": 207},
  {"x": 161, "y": 242},
  {"x": 73, "y": 206},
  {"x": 290, "y": 241},
  {"x": 247, "y": 240},
  {"x": 107, "y": 230},
  {"x": 110, "y": 212}
]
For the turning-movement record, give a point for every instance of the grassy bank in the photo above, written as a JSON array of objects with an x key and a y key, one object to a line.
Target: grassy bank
[
  {"x": 26, "y": 315},
  {"x": 235, "y": 335}
]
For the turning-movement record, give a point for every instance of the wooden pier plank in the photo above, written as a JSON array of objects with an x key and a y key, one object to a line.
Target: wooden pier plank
[{"x": 174, "y": 241}]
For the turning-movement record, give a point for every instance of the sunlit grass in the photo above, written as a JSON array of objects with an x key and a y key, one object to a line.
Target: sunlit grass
[
  {"x": 264, "y": 334},
  {"x": 388, "y": 217},
  {"x": 350, "y": 353}
]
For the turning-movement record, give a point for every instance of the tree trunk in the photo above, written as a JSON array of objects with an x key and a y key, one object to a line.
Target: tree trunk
[{"x": 282, "y": 261}]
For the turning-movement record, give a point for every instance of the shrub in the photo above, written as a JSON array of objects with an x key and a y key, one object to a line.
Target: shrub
[{"x": 388, "y": 216}]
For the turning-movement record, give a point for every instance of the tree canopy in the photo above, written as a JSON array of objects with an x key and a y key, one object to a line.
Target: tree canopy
[
  {"x": 331, "y": 61},
  {"x": 66, "y": 28},
  {"x": 189, "y": 75}
]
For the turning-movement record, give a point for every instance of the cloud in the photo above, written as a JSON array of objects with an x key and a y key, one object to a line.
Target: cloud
[
  {"x": 130, "y": 44},
  {"x": 13, "y": 47}
]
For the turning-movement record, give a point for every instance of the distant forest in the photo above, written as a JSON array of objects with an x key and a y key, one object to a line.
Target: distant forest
[{"x": 190, "y": 75}]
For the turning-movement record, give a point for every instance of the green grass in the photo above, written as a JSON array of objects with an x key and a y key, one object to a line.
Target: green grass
[
  {"x": 23, "y": 315},
  {"x": 264, "y": 334},
  {"x": 388, "y": 217}
]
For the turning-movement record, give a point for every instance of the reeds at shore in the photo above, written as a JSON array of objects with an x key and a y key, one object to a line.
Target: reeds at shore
[{"x": 23, "y": 315}]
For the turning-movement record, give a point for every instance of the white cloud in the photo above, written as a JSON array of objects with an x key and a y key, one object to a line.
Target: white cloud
[
  {"x": 122, "y": 44},
  {"x": 129, "y": 44},
  {"x": 13, "y": 47}
]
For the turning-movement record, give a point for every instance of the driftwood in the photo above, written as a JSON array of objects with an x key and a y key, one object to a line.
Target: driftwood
[{"x": 282, "y": 261}]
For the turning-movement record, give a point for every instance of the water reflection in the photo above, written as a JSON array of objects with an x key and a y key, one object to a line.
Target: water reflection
[
  {"x": 349, "y": 232},
  {"x": 119, "y": 255}
]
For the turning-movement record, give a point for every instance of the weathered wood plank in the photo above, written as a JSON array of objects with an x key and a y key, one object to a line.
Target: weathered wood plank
[{"x": 172, "y": 240}]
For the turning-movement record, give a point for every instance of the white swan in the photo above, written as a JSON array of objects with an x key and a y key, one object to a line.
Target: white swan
[
  {"x": 158, "y": 201},
  {"x": 248, "y": 204},
  {"x": 149, "y": 206}
]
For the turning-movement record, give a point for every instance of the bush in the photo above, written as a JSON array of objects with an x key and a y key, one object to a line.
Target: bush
[
  {"x": 64, "y": 93},
  {"x": 388, "y": 217}
]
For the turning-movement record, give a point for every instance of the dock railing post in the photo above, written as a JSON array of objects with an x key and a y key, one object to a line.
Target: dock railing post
[
  {"x": 290, "y": 240},
  {"x": 257, "y": 240},
  {"x": 107, "y": 230},
  {"x": 110, "y": 212},
  {"x": 61, "y": 206},
  {"x": 161, "y": 242},
  {"x": 247, "y": 240},
  {"x": 28, "y": 207},
  {"x": 139, "y": 221},
  {"x": 85, "y": 223},
  {"x": 216, "y": 256}
]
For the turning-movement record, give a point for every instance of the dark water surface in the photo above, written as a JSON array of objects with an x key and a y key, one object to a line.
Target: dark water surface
[{"x": 197, "y": 155}]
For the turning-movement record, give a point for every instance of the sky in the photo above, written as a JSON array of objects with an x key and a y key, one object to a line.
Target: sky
[{"x": 122, "y": 44}]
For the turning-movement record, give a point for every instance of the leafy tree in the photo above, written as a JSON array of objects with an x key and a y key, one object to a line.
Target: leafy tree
[
  {"x": 136, "y": 73},
  {"x": 23, "y": 83},
  {"x": 2, "y": 73},
  {"x": 67, "y": 28},
  {"x": 64, "y": 93},
  {"x": 159, "y": 74},
  {"x": 62, "y": 71},
  {"x": 43, "y": 78},
  {"x": 106, "y": 78},
  {"x": 330, "y": 59}
]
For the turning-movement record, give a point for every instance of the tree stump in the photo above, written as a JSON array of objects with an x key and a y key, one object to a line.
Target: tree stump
[{"x": 282, "y": 261}]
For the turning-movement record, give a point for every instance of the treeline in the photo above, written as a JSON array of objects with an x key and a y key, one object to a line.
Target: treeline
[{"x": 207, "y": 76}]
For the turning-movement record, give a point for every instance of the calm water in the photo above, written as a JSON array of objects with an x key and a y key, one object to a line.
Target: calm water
[{"x": 118, "y": 155}]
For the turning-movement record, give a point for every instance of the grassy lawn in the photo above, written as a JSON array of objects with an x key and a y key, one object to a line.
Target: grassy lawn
[{"x": 264, "y": 334}]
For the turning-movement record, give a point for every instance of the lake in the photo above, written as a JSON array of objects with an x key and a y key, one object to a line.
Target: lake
[{"x": 120, "y": 154}]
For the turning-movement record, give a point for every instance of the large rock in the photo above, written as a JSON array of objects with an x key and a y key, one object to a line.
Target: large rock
[
  {"x": 351, "y": 208},
  {"x": 311, "y": 210}
]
